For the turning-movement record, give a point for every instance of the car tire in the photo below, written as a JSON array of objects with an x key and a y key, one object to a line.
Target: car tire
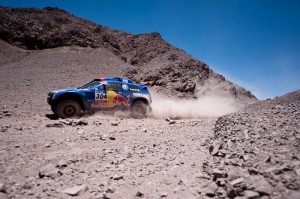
[
  {"x": 139, "y": 110},
  {"x": 68, "y": 108}
]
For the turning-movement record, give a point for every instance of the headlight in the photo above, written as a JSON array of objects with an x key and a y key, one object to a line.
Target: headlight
[
  {"x": 51, "y": 95},
  {"x": 54, "y": 94}
]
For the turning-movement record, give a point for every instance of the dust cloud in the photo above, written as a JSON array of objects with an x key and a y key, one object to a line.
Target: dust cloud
[
  {"x": 206, "y": 106},
  {"x": 211, "y": 101}
]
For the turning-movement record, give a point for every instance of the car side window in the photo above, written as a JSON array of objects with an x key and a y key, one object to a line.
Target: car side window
[
  {"x": 102, "y": 87},
  {"x": 113, "y": 87}
]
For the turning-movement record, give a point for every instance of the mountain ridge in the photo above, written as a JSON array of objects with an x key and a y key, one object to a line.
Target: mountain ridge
[{"x": 153, "y": 61}]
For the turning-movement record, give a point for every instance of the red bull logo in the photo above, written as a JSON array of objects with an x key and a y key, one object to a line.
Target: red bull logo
[{"x": 120, "y": 100}]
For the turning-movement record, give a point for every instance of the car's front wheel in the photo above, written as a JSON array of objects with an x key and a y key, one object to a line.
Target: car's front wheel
[
  {"x": 68, "y": 108},
  {"x": 139, "y": 110}
]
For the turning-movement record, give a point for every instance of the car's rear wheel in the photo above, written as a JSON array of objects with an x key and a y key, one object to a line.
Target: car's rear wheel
[
  {"x": 68, "y": 108},
  {"x": 139, "y": 110}
]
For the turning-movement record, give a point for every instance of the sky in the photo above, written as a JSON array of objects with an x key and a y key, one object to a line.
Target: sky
[{"x": 254, "y": 43}]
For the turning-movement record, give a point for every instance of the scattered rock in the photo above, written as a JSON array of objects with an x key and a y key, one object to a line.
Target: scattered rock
[
  {"x": 3, "y": 188},
  {"x": 70, "y": 122},
  {"x": 97, "y": 123},
  {"x": 231, "y": 191},
  {"x": 263, "y": 187},
  {"x": 236, "y": 181},
  {"x": 5, "y": 128},
  {"x": 19, "y": 128},
  {"x": 102, "y": 137},
  {"x": 117, "y": 177},
  {"x": 219, "y": 174},
  {"x": 76, "y": 190},
  {"x": 172, "y": 122},
  {"x": 246, "y": 157},
  {"x": 252, "y": 171},
  {"x": 297, "y": 171},
  {"x": 246, "y": 135},
  {"x": 48, "y": 170},
  {"x": 28, "y": 185},
  {"x": 211, "y": 189},
  {"x": 144, "y": 130},
  {"x": 183, "y": 181},
  {"x": 47, "y": 145},
  {"x": 221, "y": 182},
  {"x": 251, "y": 194},
  {"x": 163, "y": 194},
  {"x": 203, "y": 176},
  {"x": 139, "y": 194},
  {"x": 112, "y": 138},
  {"x": 7, "y": 114},
  {"x": 221, "y": 193},
  {"x": 110, "y": 190},
  {"x": 214, "y": 149},
  {"x": 81, "y": 122},
  {"x": 57, "y": 125},
  {"x": 194, "y": 123},
  {"x": 114, "y": 123},
  {"x": 61, "y": 164}
]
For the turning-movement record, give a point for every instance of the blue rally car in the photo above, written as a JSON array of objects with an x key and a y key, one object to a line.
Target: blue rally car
[{"x": 102, "y": 94}]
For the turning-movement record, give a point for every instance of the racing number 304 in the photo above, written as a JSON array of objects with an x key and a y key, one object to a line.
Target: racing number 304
[{"x": 101, "y": 96}]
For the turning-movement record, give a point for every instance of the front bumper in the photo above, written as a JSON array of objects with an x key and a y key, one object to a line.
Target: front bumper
[{"x": 50, "y": 98}]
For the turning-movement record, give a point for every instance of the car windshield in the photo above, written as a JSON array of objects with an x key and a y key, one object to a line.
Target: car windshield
[{"x": 90, "y": 85}]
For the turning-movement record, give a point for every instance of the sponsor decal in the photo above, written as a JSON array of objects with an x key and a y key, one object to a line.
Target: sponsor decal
[
  {"x": 99, "y": 104},
  {"x": 120, "y": 100},
  {"x": 101, "y": 100},
  {"x": 137, "y": 94},
  {"x": 109, "y": 100},
  {"x": 125, "y": 87},
  {"x": 135, "y": 90},
  {"x": 101, "y": 96}
]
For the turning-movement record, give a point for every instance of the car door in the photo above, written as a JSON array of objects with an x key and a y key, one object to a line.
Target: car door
[{"x": 118, "y": 95}]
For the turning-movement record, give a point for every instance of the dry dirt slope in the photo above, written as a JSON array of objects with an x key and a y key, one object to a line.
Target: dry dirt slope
[
  {"x": 153, "y": 61},
  {"x": 26, "y": 80}
]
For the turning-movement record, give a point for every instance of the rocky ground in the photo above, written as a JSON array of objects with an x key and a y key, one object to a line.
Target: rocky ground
[
  {"x": 103, "y": 157},
  {"x": 255, "y": 152},
  {"x": 252, "y": 153}
]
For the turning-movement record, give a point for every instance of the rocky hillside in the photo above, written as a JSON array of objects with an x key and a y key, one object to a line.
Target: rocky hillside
[
  {"x": 256, "y": 151},
  {"x": 149, "y": 58}
]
